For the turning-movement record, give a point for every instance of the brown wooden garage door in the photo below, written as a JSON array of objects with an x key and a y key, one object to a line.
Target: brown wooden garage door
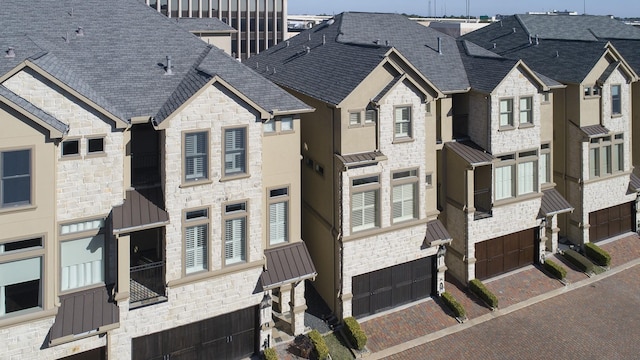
[
  {"x": 611, "y": 221},
  {"x": 229, "y": 336},
  {"x": 505, "y": 253},
  {"x": 387, "y": 288}
]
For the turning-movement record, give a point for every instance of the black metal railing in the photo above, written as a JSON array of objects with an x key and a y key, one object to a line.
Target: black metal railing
[
  {"x": 147, "y": 282},
  {"x": 482, "y": 203},
  {"x": 145, "y": 169}
]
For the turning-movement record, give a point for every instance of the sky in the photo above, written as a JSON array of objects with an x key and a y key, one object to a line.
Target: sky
[{"x": 620, "y": 8}]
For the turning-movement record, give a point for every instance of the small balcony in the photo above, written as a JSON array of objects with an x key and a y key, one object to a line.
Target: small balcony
[
  {"x": 482, "y": 204},
  {"x": 147, "y": 284}
]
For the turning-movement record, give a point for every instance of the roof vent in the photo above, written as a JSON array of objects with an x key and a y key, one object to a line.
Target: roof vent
[
  {"x": 307, "y": 49},
  {"x": 324, "y": 39},
  {"x": 80, "y": 31},
  {"x": 309, "y": 36},
  {"x": 386, "y": 43},
  {"x": 376, "y": 41},
  {"x": 557, "y": 53},
  {"x": 11, "y": 52},
  {"x": 495, "y": 45},
  {"x": 330, "y": 21},
  {"x": 169, "y": 67},
  {"x": 439, "y": 46},
  {"x": 256, "y": 65},
  {"x": 287, "y": 43},
  {"x": 530, "y": 41},
  {"x": 514, "y": 30},
  {"x": 537, "y": 40}
]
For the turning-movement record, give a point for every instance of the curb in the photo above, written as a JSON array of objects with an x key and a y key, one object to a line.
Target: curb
[{"x": 499, "y": 312}]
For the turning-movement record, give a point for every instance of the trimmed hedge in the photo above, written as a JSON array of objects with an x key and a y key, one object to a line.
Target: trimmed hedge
[
  {"x": 555, "y": 269},
  {"x": 270, "y": 354},
  {"x": 354, "y": 332},
  {"x": 598, "y": 255},
  {"x": 454, "y": 305},
  {"x": 581, "y": 262},
  {"x": 319, "y": 345},
  {"x": 478, "y": 288}
]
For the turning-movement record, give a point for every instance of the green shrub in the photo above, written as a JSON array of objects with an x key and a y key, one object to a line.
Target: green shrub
[
  {"x": 581, "y": 262},
  {"x": 319, "y": 345},
  {"x": 354, "y": 333},
  {"x": 270, "y": 354},
  {"x": 478, "y": 288},
  {"x": 454, "y": 305},
  {"x": 598, "y": 255},
  {"x": 555, "y": 269}
]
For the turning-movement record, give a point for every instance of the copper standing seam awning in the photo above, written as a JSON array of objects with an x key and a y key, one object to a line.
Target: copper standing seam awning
[
  {"x": 553, "y": 203},
  {"x": 141, "y": 210},
  {"x": 634, "y": 183},
  {"x": 82, "y": 314},
  {"x": 437, "y": 234},
  {"x": 287, "y": 264},
  {"x": 470, "y": 152}
]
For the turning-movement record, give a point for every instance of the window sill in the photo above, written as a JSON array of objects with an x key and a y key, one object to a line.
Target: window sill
[
  {"x": 206, "y": 275},
  {"x": 506, "y": 128},
  {"x": 82, "y": 288},
  {"x": 606, "y": 177},
  {"x": 527, "y": 125},
  {"x": 517, "y": 199},
  {"x": 27, "y": 316},
  {"x": 618, "y": 115},
  {"x": 70, "y": 157},
  {"x": 403, "y": 140},
  {"x": 18, "y": 208},
  {"x": 235, "y": 177},
  {"x": 195, "y": 183},
  {"x": 96, "y": 155}
]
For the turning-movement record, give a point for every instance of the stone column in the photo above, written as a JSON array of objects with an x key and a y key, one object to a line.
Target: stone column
[
  {"x": 122, "y": 286},
  {"x": 442, "y": 268},
  {"x": 298, "y": 307}
]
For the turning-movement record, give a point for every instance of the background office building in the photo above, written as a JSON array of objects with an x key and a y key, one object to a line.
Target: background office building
[{"x": 260, "y": 23}]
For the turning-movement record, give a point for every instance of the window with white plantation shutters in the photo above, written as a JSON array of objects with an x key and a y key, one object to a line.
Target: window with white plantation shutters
[
  {"x": 196, "y": 235},
  {"x": 526, "y": 177},
  {"x": 82, "y": 262},
  {"x": 504, "y": 182},
  {"x": 403, "y": 122},
  {"x": 364, "y": 203},
  {"x": 234, "y": 151},
  {"x": 354, "y": 118},
  {"x": 235, "y": 234},
  {"x": 195, "y": 156},
  {"x": 278, "y": 216},
  {"x": 404, "y": 195}
]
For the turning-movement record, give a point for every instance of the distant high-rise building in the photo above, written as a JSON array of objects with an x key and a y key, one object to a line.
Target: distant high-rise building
[{"x": 260, "y": 23}]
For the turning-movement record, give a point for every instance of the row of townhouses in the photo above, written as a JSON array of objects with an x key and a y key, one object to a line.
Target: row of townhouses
[{"x": 160, "y": 199}]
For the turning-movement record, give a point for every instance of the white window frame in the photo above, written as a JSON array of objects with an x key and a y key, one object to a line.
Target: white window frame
[
  {"x": 365, "y": 203},
  {"x": 278, "y": 215},
  {"x": 235, "y": 151},
  {"x": 235, "y": 233},
  {"x": 7, "y": 179},
  {"x": 404, "y": 196}
]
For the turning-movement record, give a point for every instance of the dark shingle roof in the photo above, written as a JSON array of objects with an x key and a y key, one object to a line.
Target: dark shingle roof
[
  {"x": 564, "y": 48},
  {"x": 329, "y": 61},
  {"x": 33, "y": 110},
  {"x": 119, "y": 62}
]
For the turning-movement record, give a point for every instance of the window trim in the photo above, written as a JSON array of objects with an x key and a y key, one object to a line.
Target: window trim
[
  {"x": 359, "y": 122},
  {"x": 101, "y": 153},
  {"x": 545, "y": 150},
  {"x": 190, "y": 223},
  {"x": 293, "y": 124},
  {"x": 235, "y": 175},
  {"x": 270, "y": 122},
  {"x": 207, "y": 156},
  {"x": 75, "y": 156},
  {"x": 599, "y": 144},
  {"x": 613, "y": 101},
  {"x": 409, "y": 122},
  {"x": 513, "y": 160},
  {"x": 286, "y": 199},
  {"x": 358, "y": 189},
  {"x": 509, "y": 113},
  {"x": 233, "y": 216},
  {"x": 26, "y": 254},
  {"x": 32, "y": 174},
  {"x": 78, "y": 237},
  {"x": 412, "y": 178},
  {"x": 529, "y": 111}
]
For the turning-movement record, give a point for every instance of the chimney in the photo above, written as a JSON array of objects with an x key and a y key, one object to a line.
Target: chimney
[
  {"x": 11, "y": 53},
  {"x": 168, "y": 70},
  {"x": 439, "y": 46}
]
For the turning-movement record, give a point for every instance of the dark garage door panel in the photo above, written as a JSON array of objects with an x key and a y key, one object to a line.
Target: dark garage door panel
[
  {"x": 389, "y": 287},
  {"x": 228, "y": 336},
  {"x": 505, "y": 253},
  {"x": 611, "y": 221}
]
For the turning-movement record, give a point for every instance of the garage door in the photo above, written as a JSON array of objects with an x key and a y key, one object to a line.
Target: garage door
[
  {"x": 389, "y": 287},
  {"x": 505, "y": 253},
  {"x": 611, "y": 221},
  {"x": 229, "y": 336}
]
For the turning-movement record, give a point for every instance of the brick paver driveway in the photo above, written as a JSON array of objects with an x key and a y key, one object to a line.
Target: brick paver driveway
[{"x": 598, "y": 321}]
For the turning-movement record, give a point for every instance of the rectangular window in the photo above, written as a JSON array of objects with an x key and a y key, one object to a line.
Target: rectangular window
[
  {"x": 370, "y": 116},
  {"x": 196, "y": 233},
  {"x": 405, "y": 185},
  {"x": 618, "y": 153},
  {"x": 278, "y": 216},
  {"x": 594, "y": 162},
  {"x": 20, "y": 285},
  {"x": 526, "y": 110},
  {"x": 545, "y": 164},
  {"x": 402, "y": 122},
  {"x": 527, "y": 177},
  {"x": 587, "y": 91},
  {"x": 95, "y": 145},
  {"x": 71, "y": 147},
  {"x": 82, "y": 262},
  {"x": 286, "y": 124},
  {"x": 235, "y": 233},
  {"x": 15, "y": 178},
  {"x": 235, "y": 151},
  {"x": 616, "y": 105},
  {"x": 354, "y": 118},
  {"x": 506, "y": 112},
  {"x": 269, "y": 127},
  {"x": 504, "y": 182},
  {"x": 364, "y": 203},
  {"x": 546, "y": 97},
  {"x": 606, "y": 158},
  {"x": 606, "y": 155},
  {"x": 196, "y": 156}
]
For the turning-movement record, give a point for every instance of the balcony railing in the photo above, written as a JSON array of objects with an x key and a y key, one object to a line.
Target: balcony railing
[
  {"x": 482, "y": 203},
  {"x": 147, "y": 283},
  {"x": 145, "y": 169}
]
